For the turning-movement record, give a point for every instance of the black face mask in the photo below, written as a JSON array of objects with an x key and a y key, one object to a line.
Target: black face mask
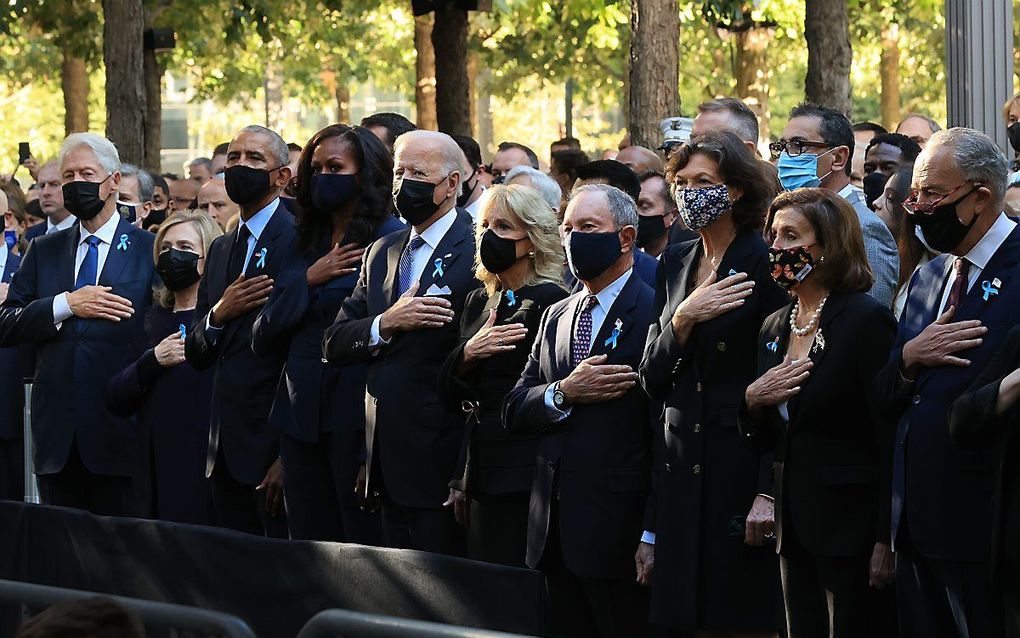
[
  {"x": 650, "y": 228},
  {"x": 128, "y": 211},
  {"x": 246, "y": 185},
  {"x": 498, "y": 254},
  {"x": 414, "y": 200},
  {"x": 1014, "y": 136},
  {"x": 591, "y": 254},
  {"x": 942, "y": 229},
  {"x": 178, "y": 269},
  {"x": 331, "y": 191},
  {"x": 465, "y": 195},
  {"x": 874, "y": 186},
  {"x": 156, "y": 217},
  {"x": 82, "y": 200}
]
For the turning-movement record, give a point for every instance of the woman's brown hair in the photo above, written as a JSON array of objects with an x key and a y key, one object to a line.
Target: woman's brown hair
[{"x": 837, "y": 230}]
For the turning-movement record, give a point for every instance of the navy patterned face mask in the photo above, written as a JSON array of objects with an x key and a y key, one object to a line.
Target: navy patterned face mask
[{"x": 699, "y": 207}]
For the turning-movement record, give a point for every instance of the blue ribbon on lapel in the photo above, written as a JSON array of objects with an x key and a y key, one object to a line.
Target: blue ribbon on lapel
[
  {"x": 772, "y": 346},
  {"x": 123, "y": 245},
  {"x": 510, "y": 298},
  {"x": 617, "y": 329},
  {"x": 990, "y": 290},
  {"x": 438, "y": 272},
  {"x": 261, "y": 263},
  {"x": 184, "y": 331}
]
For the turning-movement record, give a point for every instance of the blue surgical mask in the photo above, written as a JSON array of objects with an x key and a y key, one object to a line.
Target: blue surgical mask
[{"x": 800, "y": 171}]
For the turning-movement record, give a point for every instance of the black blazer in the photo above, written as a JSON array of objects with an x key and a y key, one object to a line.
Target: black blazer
[
  {"x": 974, "y": 424},
  {"x": 493, "y": 460},
  {"x": 832, "y": 460},
  {"x": 35, "y": 230},
  {"x": 417, "y": 439},
  {"x": 598, "y": 457},
  {"x": 15, "y": 366},
  {"x": 74, "y": 363},
  {"x": 244, "y": 383},
  {"x": 312, "y": 396}
]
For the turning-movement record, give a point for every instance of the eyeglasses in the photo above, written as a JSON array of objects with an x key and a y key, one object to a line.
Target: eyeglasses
[
  {"x": 794, "y": 148},
  {"x": 913, "y": 205}
]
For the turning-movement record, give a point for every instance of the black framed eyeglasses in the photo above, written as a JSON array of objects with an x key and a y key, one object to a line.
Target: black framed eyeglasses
[{"x": 794, "y": 148}]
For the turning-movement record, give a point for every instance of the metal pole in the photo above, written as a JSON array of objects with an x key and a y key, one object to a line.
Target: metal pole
[{"x": 31, "y": 483}]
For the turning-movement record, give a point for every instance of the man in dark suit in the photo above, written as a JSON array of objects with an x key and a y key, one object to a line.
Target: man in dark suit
[
  {"x": 959, "y": 307},
  {"x": 80, "y": 296},
  {"x": 243, "y": 459},
  {"x": 51, "y": 201},
  {"x": 579, "y": 391},
  {"x": 400, "y": 319}
]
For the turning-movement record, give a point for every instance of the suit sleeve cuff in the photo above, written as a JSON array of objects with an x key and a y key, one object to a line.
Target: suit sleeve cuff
[
  {"x": 61, "y": 310},
  {"x": 555, "y": 414},
  {"x": 648, "y": 537},
  {"x": 212, "y": 332}
]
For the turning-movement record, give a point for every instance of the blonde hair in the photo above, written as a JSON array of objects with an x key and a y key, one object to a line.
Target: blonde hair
[
  {"x": 208, "y": 230},
  {"x": 1007, "y": 106},
  {"x": 525, "y": 208}
]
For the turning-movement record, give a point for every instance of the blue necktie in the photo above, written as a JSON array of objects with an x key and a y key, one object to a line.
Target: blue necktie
[
  {"x": 406, "y": 267},
  {"x": 88, "y": 273}
]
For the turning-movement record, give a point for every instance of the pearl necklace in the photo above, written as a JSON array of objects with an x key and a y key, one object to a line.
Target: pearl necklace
[{"x": 806, "y": 330}]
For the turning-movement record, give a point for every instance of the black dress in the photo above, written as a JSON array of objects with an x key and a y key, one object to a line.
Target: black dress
[
  {"x": 496, "y": 467},
  {"x": 173, "y": 405},
  {"x": 974, "y": 424},
  {"x": 704, "y": 478}
]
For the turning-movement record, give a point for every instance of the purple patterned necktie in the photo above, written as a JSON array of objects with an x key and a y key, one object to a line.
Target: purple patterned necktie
[{"x": 582, "y": 334}]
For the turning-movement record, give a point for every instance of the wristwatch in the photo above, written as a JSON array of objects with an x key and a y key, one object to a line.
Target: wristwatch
[{"x": 559, "y": 399}]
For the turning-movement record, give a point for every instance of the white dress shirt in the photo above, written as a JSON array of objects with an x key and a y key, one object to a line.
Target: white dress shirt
[
  {"x": 606, "y": 298},
  {"x": 420, "y": 259},
  {"x": 64, "y": 225},
  {"x": 979, "y": 255},
  {"x": 476, "y": 205},
  {"x": 61, "y": 309},
  {"x": 3, "y": 258}
]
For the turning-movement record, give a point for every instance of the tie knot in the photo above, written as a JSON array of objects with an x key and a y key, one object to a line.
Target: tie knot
[
  {"x": 415, "y": 243},
  {"x": 92, "y": 240},
  {"x": 243, "y": 233},
  {"x": 960, "y": 264},
  {"x": 590, "y": 302}
]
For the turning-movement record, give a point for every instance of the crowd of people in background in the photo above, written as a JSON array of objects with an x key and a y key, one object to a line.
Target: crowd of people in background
[{"x": 704, "y": 390}]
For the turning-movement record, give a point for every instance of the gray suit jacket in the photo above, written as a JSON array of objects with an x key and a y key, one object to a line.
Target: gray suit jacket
[{"x": 883, "y": 256}]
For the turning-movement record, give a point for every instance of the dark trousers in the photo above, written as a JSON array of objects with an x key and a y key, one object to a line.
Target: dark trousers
[
  {"x": 498, "y": 528},
  {"x": 428, "y": 530},
  {"x": 1008, "y": 578},
  {"x": 12, "y": 470},
  {"x": 945, "y": 599},
  {"x": 824, "y": 595},
  {"x": 241, "y": 507},
  {"x": 585, "y": 607},
  {"x": 75, "y": 486},
  {"x": 319, "y": 489}
]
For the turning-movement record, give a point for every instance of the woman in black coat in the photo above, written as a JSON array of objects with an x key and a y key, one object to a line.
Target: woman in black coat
[
  {"x": 711, "y": 510},
  {"x": 814, "y": 408},
  {"x": 986, "y": 417},
  {"x": 520, "y": 261},
  {"x": 343, "y": 203},
  {"x": 171, "y": 398}
]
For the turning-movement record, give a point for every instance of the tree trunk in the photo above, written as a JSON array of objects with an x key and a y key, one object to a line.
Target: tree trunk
[
  {"x": 752, "y": 74},
  {"x": 449, "y": 40},
  {"x": 74, "y": 81},
  {"x": 273, "y": 86},
  {"x": 343, "y": 100},
  {"x": 425, "y": 74},
  {"x": 889, "y": 69},
  {"x": 125, "y": 77},
  {"x": 654, "y": 68},
  {"x": 154, "y": 69},
  {"x": 827, "y": 31}
]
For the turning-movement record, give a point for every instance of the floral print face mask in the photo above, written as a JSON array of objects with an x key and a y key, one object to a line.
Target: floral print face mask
[
  {"x": 790, "y": 265},
  {"x": 699, "y": 207}
]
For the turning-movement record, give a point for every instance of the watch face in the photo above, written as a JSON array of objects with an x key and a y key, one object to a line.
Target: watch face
[{"x": 558, "y": 398}]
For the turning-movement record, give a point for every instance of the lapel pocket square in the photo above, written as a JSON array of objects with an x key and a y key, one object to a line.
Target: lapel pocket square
[{"x": 436, "y": 291}]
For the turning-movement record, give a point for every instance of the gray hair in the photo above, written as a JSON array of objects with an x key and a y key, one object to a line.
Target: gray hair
[
  {"x": 621, "y": 206},
  {"x": 146, "y": 183},
  {"x": 452, "y": 156},
  {"x": 277, "y": 147},
  {"x": 545, "y": 185},
  {"x": 204, "y": 161},
  {"x": 104, "y": 150},
  {"x": 976, "y": 156},
  {"x": 744, "y": 121}
]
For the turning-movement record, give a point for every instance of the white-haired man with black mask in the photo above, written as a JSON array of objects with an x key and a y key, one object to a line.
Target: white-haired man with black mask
[{"x": 539, "y": 181}]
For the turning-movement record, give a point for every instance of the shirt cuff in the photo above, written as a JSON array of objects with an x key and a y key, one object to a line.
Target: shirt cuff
[
  {"x": 375, "y": 337},
  {"x": 212, "y": 333},
  {"x": 555, "y": 414},
  {"x": 648, "y": 537},
  {"x": 61, "y": 310}
]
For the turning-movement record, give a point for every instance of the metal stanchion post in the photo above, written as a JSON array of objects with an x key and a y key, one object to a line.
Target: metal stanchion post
[{"x": 31, "y": 483}]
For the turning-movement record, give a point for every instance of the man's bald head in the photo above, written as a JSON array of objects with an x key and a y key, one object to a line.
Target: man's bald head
[{"x": 640, "y": 159}]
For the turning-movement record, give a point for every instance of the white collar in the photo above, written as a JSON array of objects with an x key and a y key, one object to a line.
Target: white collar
[
  {"x": 105, "y": 232},
  {"x": 847, "y": 191},
  {"x": 3, "y": 257},
  {"x": 260, "y": 220},
  {"x": 64, "y": 225},
  {"x": 435, "y": 233},
  {"x": 607, "y": 296},
  {"x": 993, "y": 238}
]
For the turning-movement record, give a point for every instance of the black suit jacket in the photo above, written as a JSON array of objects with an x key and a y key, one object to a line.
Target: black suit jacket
[
  {"x": 15, "y": 366},
  {"x": 74, "y": 362},
  {"x": 974, "y": 424},
  {"x": 244, "y": 383},
  {"x": 833, "y": 459},
  {"x": 35, "y": 230},
  {"x": 595, "y": 462},
  {"x": 407, "y": 429}
]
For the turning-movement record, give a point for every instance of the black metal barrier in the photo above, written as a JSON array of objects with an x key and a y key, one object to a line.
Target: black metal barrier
[
  {"x": 203, "y": 621},
  {"x": 351, "y": 624}
]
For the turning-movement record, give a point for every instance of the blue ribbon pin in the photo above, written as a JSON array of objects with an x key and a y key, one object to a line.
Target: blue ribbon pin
[
  {"x": 617, "y": 329},
  {"x": 989, "y": 289},
  {"x": 510, "y": 298},
  {"x": 438, "y": 272},
  {"x": 184, "y": 331},
  {"x": 772, "y": 346},
  {"x": 123, "y": 245},
  {"x": 261, "y": 263}
]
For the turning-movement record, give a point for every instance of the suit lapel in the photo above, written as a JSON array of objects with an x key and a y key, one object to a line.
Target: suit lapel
[
  {"x": 819, "y": 348},
  {"x": 70, "y": 253},
  {"x": 1001, "y": 261},
  {"x": 393, "y": 254},
  {"x": 13, "y": 261},
  {"x": 936, "y": 289},
  {"x": 565, "y": 334},
  {"x": 120, "y": 254},
  {"x": 445, "y": 254},
  {"x": 680, "y": 285},
  {"x": 618, "y": 317}
]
